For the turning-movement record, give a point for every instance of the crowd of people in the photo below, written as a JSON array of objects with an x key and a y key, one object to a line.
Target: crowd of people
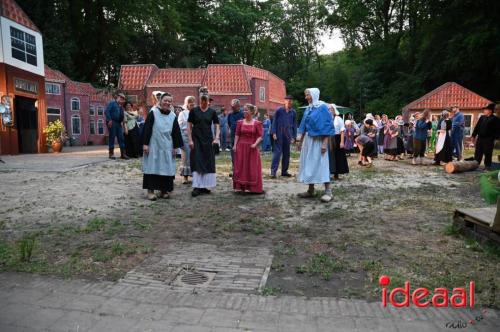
[{"x": 324, "y": 140}]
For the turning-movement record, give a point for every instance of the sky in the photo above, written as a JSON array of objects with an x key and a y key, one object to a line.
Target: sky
[{"x": 331, "y": 43}]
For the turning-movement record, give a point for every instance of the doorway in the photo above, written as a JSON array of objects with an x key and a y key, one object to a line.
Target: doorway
[{"x": 27, "y": 124}]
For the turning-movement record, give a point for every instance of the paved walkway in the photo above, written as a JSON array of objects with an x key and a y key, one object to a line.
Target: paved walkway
[
  {"x": 72, "y": 157},
  {"x": 37, "y": 303}
]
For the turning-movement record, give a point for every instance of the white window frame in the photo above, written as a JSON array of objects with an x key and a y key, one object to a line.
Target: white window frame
[
  {"x": 92, "y": 110},
  {"x": 53, "y": 85},
  {"x": 79, "y": 125},
  {"x": 92, "y": 125},
  {"x": 100, "y": 122},
  {"x": 262, "y": 93},
  {"x": 79, "y": 105},
  {"x": 23, "y": 46},
  {"x": 53, "y": 108},
  {"x": 471, "y": 125},
  {"x": 100, "y": 111}
]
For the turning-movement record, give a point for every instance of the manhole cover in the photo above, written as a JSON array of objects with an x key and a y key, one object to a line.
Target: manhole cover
[{"x": 194, "y": 278}]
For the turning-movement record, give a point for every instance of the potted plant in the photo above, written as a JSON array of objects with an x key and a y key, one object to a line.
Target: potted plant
[{"x": 54, "y": 132}]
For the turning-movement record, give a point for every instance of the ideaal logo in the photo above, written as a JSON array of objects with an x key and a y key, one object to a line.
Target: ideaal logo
[{"x": 439, "y": 297}]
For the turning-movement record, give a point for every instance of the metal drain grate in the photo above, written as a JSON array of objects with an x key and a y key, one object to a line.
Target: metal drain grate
[{"x": 194, "y": 278}]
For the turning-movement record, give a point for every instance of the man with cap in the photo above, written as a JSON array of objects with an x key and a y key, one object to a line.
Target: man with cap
[
  {"x": 232, "y": 119},
  {"x": 486, "y": 131},
  {"x": 284, "y": 131},
  {"x": 114, "y": 119},
  {"x": 457, "y": 131}
]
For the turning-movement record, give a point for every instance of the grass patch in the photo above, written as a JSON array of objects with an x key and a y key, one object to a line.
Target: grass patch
[
  {"x": 26, "y": 245},
  {"x": 452, "y": 230},
  {"x": 323, "y": 265},
  {"x": 271, "y": 291},
  {"x": 95, "y": 225}
]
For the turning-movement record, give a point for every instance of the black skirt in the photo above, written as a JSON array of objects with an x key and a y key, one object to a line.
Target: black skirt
[
  {"x": 158, "y": 182},
  {"x": 132, "y": 143},
  {"x": 401, "y": 146},
  {"x": 446, "y": 154},
  {"x": 338, "y": 160}
]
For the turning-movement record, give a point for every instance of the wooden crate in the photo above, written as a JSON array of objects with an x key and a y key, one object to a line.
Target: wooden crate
[{"x": 478, "y": 223}]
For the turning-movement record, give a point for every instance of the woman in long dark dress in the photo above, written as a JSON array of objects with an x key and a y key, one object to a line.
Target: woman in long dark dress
[
  {"x": 162, "y": 136},
  {"x": 336, "y": 152},
  {"x": 444, "y": 151},
  {"x": 201, "y": 142}
]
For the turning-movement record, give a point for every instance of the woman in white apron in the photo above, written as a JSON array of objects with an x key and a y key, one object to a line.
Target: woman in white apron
[
  {"x": 162, "y": 136},
  {"x": 444, "y": 151}
]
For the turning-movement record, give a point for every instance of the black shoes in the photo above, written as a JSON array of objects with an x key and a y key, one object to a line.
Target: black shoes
[
  {"x": 273, "y": 176},
  {"x": 287, "y": 175},
  {"x": 200, "y": 191}
]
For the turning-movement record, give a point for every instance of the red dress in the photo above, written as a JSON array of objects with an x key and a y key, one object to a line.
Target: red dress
[{"x": 247, "y": 173}]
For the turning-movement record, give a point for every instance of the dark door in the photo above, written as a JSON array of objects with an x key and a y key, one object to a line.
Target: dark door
[{"x": 27, "y": 124}]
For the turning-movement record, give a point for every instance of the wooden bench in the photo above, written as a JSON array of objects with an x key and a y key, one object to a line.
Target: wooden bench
[{"x": 482, "y": 224}]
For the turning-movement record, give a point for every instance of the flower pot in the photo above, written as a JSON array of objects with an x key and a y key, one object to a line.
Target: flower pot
[{"x": 57, "y": 146}]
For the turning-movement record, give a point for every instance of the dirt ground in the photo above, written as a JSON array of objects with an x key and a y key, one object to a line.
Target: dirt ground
[{"x": 393, "y": 219}]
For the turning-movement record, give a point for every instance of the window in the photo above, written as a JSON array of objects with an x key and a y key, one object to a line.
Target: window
[
  {"x": 100, "y": 110},
  {"x": 92, "y": 127},
  {"x": 92, "y": 110},
  {"x": 100, "y": 127},
  {"x": 75, "y": 104},
  {"x": 262, "y": 93},
  {"x": 468, "y": 124},
  {"x": 133, "y": 99},
  {"x": 75, "y": 124},
  {"x": 53, "y": 114},
  {"x": 23, "y": 46},
  {"x": 52, "y": 89}
]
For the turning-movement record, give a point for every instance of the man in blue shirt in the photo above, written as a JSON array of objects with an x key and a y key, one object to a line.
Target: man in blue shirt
[
  {"x": 457, "y": 132},
  {"x": 114, "y": 119},
  {"x": 224, "y": 144},
  {"x": 232, "y": 119},
  {"x": 284, "y": 132}
]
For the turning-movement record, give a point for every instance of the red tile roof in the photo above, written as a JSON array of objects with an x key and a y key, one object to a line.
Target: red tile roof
[
  {"x": 11, "y": 10},
  {"x": 54, "y": 75},
  {"x": 135, "y": 77},
  {"x": 101, "y": 97},
  {"x": 447, "y": 95},
  {"x": 177, "y": 77},
  {"x": 277, "y": 89},
  {"x": 253, "y": 72},
  {"x": 227, "y": 80}
]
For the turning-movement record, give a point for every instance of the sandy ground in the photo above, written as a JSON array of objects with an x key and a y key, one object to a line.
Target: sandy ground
[{"x": 393, "y": 218}]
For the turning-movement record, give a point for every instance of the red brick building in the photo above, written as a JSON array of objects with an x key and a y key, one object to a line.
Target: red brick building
[
  {"x": 21, "y": 82},
  {"x": 78, "y": 105},
  {"x": 225, "y": 82},
  {"x": 445, "y": 96}
]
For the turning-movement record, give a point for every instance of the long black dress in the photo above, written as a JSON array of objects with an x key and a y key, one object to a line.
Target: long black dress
[
  {"x": 337, "y": 157},
  {"x": 446, "y": 153},
  {"x": 202, "y": 156}
]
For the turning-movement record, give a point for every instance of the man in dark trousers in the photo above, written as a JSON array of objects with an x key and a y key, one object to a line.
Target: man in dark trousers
[
  {"x": 284, "y": 131},
  {"x": 114, "y": 119},
  {"x": 487, "y": 130},
  {"x": 233, "y": 117}
]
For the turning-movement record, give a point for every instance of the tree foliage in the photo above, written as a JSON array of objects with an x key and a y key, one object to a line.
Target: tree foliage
[{"x": 395, "y": 49}]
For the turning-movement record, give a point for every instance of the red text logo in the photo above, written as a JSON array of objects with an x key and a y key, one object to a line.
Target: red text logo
[{"x": 439, "y": 297}]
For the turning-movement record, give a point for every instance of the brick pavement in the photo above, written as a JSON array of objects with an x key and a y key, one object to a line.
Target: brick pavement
[{"x": 39, "y": 303}]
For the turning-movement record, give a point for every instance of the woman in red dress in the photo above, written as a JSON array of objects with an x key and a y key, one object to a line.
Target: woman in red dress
[{"x": 247, "y": 175}]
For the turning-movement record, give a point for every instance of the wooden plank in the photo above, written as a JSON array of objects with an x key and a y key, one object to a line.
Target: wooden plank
[{"x": 481, "y": 215}]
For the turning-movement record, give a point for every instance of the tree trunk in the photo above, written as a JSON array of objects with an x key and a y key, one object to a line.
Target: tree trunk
[{"x": 460, "y": 166}]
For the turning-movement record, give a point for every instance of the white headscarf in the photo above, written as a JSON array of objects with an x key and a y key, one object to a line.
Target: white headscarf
[
  {"x": 335, "y": 110},
  {"x": 314, "y": 92}
]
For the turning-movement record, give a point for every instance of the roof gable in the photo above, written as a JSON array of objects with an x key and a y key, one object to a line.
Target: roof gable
[
  {"x": 449, "y": 94},
  {"x": 227, "y": 80},
  {"x": 177, "y": 77},
  {"x": 11, "y": 10},
  {"x": 135, "y": 77},
  {"x": 54, "y": 75}
]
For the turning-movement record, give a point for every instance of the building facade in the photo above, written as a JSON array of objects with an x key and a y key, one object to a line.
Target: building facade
[
  {"x": 78, "y": 105},
  {"x": 224, "y": 82},
  {"x": 444, "y": 97},
  {"x": 22, "y": 84}
]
